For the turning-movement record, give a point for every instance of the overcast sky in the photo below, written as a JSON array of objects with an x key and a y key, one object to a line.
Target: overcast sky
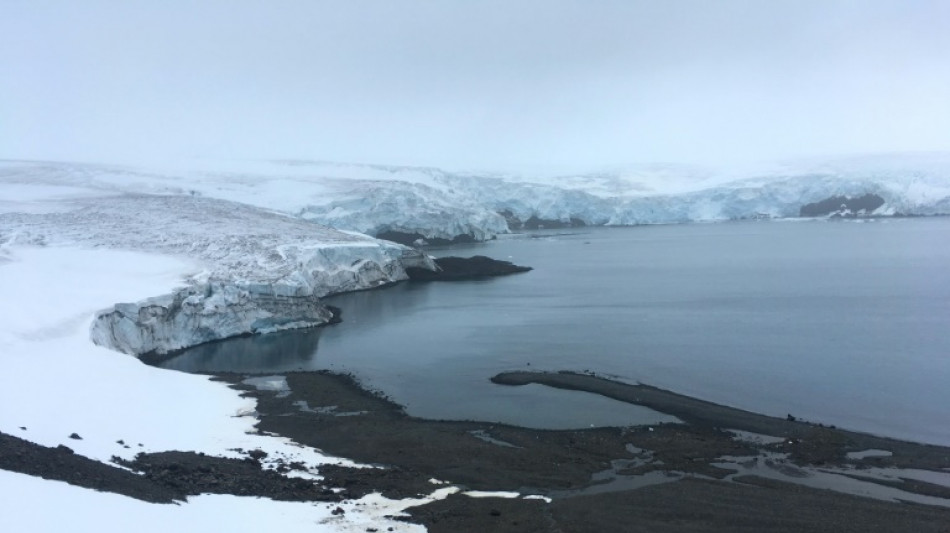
[{"x": 506, "y": 85}]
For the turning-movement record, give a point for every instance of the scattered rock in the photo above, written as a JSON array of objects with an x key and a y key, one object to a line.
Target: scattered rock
[
  {"x": 62, "y": 464},
  {"x": 534, "y": 222},
  {"x": 418, "y": 239},
  {"x": 842, "y": 206},
  {"x": 75, "y": 436},
  {"x": 191, "y": 474},
  {"x": 257, "y": 455}
]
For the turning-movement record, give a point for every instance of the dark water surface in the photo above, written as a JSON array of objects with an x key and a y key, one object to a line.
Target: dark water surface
[{"x": 843, "y": 323}]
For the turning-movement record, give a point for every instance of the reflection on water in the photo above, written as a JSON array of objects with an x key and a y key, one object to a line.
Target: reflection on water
[{"x": 281, "y": 351}]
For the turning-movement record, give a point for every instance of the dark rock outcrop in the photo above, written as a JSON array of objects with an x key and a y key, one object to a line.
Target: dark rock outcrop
[
  {"x": 462, "y": 268},
  {"x": 533, "y": 222},
  {"x": 843, "y": 206},
  {"x": 418, "y": 239}
]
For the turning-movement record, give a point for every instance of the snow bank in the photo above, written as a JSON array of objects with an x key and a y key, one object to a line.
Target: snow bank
[{"x": 36, "y": 505}]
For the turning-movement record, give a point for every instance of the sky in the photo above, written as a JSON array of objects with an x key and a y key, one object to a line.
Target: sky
[{"x": 500, "y": 85}]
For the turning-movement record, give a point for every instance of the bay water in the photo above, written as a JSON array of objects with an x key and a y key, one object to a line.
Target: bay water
[{"x": 839, "y": 322}]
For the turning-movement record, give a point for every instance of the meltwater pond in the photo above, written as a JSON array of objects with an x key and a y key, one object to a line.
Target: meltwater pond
[{"x": 843, "y": 323}]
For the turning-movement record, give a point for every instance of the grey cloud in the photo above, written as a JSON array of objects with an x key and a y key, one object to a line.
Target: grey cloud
[{"x": 473, "y": 84}]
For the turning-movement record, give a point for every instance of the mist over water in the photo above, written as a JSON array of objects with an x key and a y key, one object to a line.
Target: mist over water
[{"x": 835, "y": 322}]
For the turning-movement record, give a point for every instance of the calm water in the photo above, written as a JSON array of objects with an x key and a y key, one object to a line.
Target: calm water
[{"x": 837, "y": 322}]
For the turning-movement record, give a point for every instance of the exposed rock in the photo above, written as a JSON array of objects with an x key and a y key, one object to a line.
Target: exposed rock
[
  {"x": 842, "y": 206},
  {"x": 418, "y": 239},
  {"x": 462, "y": 268},
  {"x": 535, "y": 222},
  {"x": 190, "y": 473},
  {"x": 63, "y": 464}
]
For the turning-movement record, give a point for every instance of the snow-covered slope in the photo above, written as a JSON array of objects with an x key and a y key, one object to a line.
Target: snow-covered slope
[{"x": 56, "y": 382}]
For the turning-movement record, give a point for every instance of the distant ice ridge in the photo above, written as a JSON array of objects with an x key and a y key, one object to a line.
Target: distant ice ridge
[
  {"x": 258, "y": 271},
  {"x": 434, "y": 204}
]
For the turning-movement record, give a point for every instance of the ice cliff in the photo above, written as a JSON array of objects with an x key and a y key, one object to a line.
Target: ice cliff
[
  {"x": 202, "y": 313},
  {"x": 257, "y": 271}
]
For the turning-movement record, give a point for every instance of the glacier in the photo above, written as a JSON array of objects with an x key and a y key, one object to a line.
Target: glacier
[
  {"x": 425, "y": 204},
  {"x": 257, "y": 271}
]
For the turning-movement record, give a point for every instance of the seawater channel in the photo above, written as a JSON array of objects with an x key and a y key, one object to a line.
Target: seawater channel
[{"x": 838, "y": 322}]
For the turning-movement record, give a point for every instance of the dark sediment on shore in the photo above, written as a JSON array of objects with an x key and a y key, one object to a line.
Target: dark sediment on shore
[
  {"x": 62, "y": 464},
  {"x": 690, "y": 505},
  {"x": 342, "y": 418},
  {"x": 333, "y": 413},
  {"x": 165, "y": 477}
]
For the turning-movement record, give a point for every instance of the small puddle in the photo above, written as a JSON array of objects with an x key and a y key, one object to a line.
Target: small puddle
[
  {"x": 276, "y": 384},
  {"x": 612, "y": 480},
  {"x": 864, "y": 454},
  {"x": 755, "y": 438},
  {"x": 775, "y": 466},
  {"x": 304, "y": 407},
  {"x": 483, "y": 435}
]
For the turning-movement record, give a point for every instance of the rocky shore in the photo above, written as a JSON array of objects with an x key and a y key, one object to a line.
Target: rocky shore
[{"x": 694, "y": 476}]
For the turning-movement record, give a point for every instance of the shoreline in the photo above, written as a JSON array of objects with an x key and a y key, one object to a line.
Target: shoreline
[
  {"x": 669, "y": 477},
  {"x": 613, "y": 470},
  {"x": 838, "y": 441}
]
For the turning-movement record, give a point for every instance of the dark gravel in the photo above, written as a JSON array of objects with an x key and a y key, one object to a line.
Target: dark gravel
[
  {"x": 61, "y": 464},
  {"x": 410, "y": 451}
]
